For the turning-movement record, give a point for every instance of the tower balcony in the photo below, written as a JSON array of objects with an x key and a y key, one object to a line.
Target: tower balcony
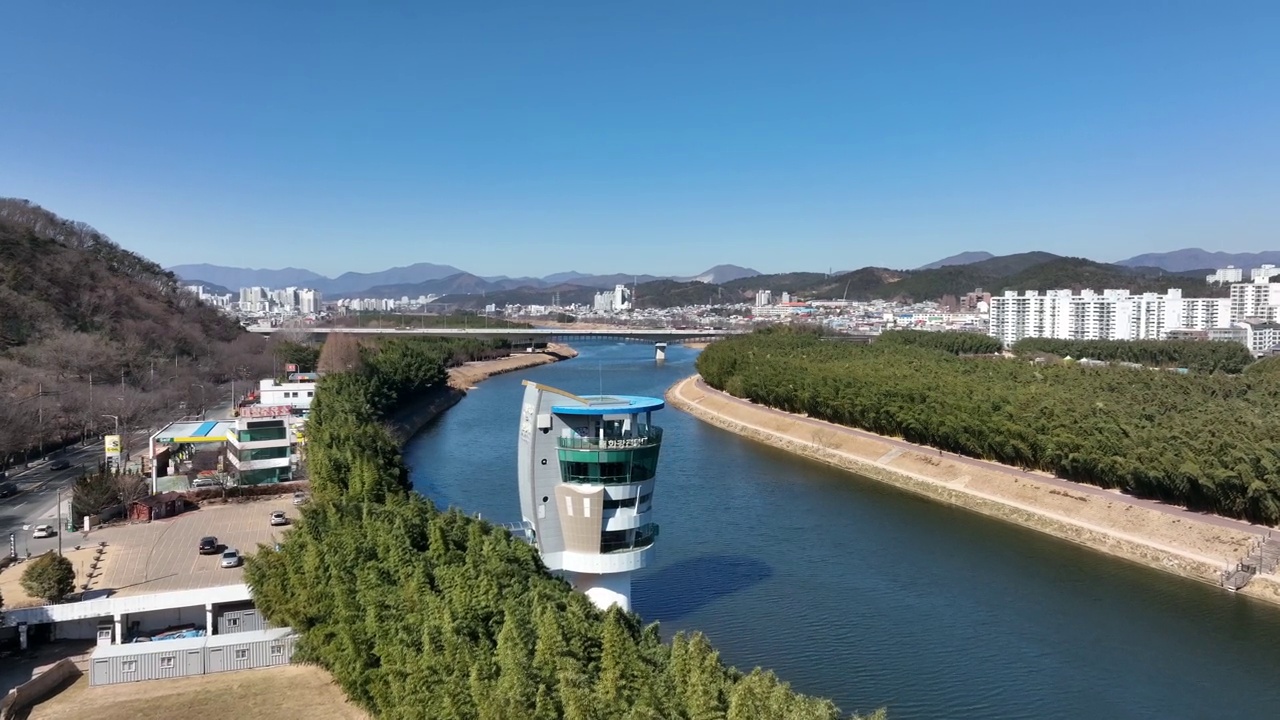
[
  {"x": 644, "y": 436},
  {"x": 619, "y": 460}
]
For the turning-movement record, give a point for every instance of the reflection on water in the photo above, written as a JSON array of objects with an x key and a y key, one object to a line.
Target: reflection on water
[{"x": 863, "y": 593}]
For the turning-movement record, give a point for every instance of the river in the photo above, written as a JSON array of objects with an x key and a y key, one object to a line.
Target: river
[{"x": 871, "y": 596}]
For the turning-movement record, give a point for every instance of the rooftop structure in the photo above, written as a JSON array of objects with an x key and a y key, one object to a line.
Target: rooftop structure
[{"x": 586, "y": 475}]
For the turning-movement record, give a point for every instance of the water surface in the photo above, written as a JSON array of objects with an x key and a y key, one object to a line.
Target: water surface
[{"x": 858, "y": 591}]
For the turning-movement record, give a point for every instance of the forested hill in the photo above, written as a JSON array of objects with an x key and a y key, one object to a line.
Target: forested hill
[
  {"x": 1205, "y": 440},
  {"x": 74, "y": 306},
  {"x": 1022, "y": 271}
]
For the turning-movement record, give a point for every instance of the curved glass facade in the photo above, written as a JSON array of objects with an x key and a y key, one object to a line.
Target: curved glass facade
[{"x": 611, "y": 460}]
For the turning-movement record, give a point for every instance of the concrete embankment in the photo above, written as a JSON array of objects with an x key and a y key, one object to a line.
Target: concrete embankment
[
  {"x": 1159, "y": 536},
  {"x": 428, "y": 407}
]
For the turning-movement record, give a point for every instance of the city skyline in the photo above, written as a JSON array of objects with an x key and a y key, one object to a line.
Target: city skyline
[{"x": 599, "y": 139}]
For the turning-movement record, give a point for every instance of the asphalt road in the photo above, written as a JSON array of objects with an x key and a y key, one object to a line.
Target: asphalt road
[{"x": 36, "y": 500}]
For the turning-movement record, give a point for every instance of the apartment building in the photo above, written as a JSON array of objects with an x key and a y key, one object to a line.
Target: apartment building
[
  {"x": 1109, "y": 315},
  {"x": 1263, "y": 274},
  {"x": 1229, "y": 274},
  {"x": 1256, "y": 300}
]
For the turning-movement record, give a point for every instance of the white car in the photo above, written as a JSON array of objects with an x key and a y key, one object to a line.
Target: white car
[
  {"x": 231, "y": 558},
  {"x": 44, "y": 531},
  {"x": 279, "y": 518}
]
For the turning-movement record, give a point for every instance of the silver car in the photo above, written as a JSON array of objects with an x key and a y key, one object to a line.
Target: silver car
[
  {"x": 231, "y": 558},
  {"x": 279, "y": 518}
]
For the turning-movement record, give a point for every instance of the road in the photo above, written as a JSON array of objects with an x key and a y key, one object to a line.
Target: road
[
  {"x": 36, "y": 502},
  {"x": 1203, "y": 517}
]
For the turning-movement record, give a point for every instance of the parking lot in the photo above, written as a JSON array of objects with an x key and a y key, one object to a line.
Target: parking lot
[{"x": 161, "y": 556}]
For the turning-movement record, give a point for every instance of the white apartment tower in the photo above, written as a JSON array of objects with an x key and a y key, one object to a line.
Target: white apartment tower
[
  {"x": 1263, "y": 274},
  {"x": 586, "y": 475},
  {"x": 1229, "y": 274},
  {"x": 1111, "y": 315},
  {"x": 1257, "y": 299},
  {"x": 309, "y": 301}
]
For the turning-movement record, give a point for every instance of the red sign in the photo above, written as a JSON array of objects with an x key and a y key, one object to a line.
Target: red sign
[
  {"x": 265, "y": 411},
  {"x": 291, "y": 368}
]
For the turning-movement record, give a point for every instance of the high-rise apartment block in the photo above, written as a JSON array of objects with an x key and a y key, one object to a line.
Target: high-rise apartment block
[
  {"x": 1110, "y": 315},
  {"x": 1229, "y": 274}
]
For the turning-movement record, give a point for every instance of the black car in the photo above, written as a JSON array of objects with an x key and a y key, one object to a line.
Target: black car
[
  {"x": 209, "y": 545},
  {"x": 60, "y": 464}
]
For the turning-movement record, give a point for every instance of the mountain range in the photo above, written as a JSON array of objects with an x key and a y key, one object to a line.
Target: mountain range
[
  {"x": 1021, "y": 271},
  {"x": 956, "y": 274},
  {"x": 1197, "y": 259},
  {"x": 424, "y": 279}
]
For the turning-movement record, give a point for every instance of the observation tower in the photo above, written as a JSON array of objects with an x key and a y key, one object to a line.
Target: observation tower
[{"x": 587, "y": 466}]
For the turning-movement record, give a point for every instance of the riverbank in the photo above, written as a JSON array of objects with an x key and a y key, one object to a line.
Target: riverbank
[
  {"x": 1160, "y": 536},
  {"x": 422, "y": 410}
]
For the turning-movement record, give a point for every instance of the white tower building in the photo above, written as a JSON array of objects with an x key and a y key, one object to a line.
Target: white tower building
[{"x": 586, "y": 474}]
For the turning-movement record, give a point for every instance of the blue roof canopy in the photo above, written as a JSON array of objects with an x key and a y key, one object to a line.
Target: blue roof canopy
[{"x": 611, "y": 405}]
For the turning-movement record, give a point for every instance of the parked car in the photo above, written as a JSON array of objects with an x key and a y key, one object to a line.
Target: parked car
[
  {"x": 208, "y": 545},
  {"x": 279, "y": 518},
  {"x": 231, "y": 558},
  {"x": 299, "y": 498},
  {"x": 44, "y": 531},
  {"x": 60, "y": 464}
]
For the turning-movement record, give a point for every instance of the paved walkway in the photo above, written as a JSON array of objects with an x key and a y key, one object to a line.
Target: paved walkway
[{"x": 902, "y": 445}]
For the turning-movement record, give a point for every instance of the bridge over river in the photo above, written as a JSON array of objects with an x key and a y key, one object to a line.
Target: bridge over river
[{"x": 660, "y": 337}]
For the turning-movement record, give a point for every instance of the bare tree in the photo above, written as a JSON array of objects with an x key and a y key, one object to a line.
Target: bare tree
[{"x": 341, "y": 352}]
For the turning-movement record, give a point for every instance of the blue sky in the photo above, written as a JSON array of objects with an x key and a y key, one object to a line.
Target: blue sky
[{"x": 663, "y": 137}]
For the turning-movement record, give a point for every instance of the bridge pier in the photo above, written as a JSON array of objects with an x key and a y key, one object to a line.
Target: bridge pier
[{"x": 660, "y": 351}]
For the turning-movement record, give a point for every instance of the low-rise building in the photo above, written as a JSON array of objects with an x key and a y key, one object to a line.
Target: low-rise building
[
  {"x": 297, "y": 394},
  {"x": 260, "y": 448}
]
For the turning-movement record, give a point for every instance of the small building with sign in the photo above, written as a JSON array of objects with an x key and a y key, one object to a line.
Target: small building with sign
[
  {"x": 259, "y": 447},
  {"x": 296, "y": 394}
]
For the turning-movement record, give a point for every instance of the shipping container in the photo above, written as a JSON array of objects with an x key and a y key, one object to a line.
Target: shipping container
[
  {"x": 238, "y": 618},
  {"x": 241, "y": 651},
  {"x": 134, "y": 662}
]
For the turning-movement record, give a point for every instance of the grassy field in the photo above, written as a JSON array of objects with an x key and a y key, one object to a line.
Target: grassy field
[{"x": 291, "y": 692}]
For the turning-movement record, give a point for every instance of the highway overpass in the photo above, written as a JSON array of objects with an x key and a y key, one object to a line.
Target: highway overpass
[{"x": 660, "y": 337}]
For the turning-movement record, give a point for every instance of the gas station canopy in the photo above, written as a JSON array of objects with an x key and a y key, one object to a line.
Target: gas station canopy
[{"x": 210, "y": 431}]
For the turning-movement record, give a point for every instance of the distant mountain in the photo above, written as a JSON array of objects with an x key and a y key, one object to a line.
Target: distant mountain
[
  {"x": 211, "y": 288},
  {"x": 457, "y": 284},
  {"x": 236, "y": 278},
  {"x": 722, "y": 274},
  {"x": 1197, "y": 259},
  {"x": 964, "y": 258},
  {"x": 564, "y": 277},
  {"x": 416, "y": 273}
]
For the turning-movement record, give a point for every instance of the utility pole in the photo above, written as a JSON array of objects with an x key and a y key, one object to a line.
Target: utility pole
[{"x": 60, "y": 522}]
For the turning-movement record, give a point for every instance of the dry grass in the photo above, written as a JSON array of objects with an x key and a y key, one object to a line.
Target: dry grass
[
  {"x": 290, "y": 692},
  {"x": 11, "y": 577}
]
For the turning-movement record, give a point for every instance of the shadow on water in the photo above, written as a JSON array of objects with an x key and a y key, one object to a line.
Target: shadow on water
[{"x": 685, "y": 587}]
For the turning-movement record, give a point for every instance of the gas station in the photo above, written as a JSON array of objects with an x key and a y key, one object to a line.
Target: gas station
[{"x": 182, "y": 441}]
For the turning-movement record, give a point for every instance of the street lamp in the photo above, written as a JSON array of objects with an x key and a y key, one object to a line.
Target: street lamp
[{"x": 201, "y": 398}]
